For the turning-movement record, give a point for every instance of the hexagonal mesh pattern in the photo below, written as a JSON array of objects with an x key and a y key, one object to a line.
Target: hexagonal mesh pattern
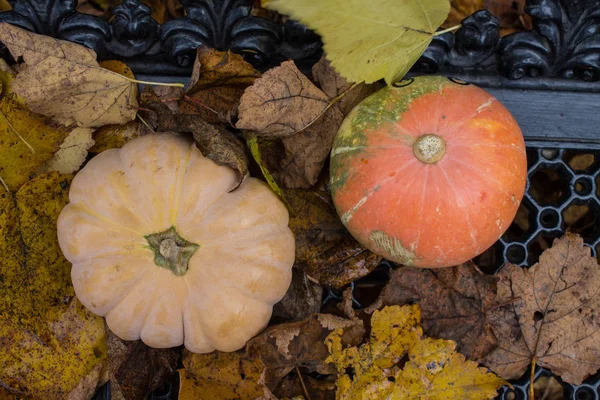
[{"x": 562, "y": 193}]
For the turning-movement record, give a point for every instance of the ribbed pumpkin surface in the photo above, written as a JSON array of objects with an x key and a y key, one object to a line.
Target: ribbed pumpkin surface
[{"x": 428, "y": 214}]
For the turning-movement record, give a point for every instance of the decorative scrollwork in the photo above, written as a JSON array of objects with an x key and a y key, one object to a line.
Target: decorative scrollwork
[
  {"x": 58, "y": 18},
  {"x": 225, "y": 24},
  {"x": 472, "y": 47},
  {"x": 565, "y": 41}
]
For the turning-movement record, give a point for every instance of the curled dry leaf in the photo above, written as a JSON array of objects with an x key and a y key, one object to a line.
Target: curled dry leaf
[
  {"x": 399, "y": 362},
  {"x": 28, "y": 139},
  {"x": 135, "y": 369},
  {"x": 218, "y": 81},
  {"x": 553, "y": 317},
  {"x": 454, "y": 304},
  {"x": 63, "y": 80},
  {"x": 268, "y": 358},
  {"x": 48, "y": 340},
  {"x": 281, "y": 103},
  {"x": 215, "y": 142},
  {"x": 302, "y": 298},
  {"x": 369, "y": 40},
  {"x": 325, "y": 251},
  {"x": 221, "y": 146}
]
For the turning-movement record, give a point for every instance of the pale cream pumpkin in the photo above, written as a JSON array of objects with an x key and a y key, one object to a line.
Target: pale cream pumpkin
[{"x": 164, "y": 250}]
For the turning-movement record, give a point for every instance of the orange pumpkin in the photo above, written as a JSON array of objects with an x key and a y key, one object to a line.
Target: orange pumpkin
[{"x": 429, "y": 173}]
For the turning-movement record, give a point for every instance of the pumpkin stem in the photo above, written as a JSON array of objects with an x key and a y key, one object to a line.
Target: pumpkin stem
[
  {"x": 429, "y": 148},
  {"x": 171, "y": 251}
]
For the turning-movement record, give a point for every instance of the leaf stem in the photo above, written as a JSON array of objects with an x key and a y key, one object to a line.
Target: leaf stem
[
  {"x": 172, "y": 84},
  {"x": 302, "y": 383},
  {"x": 331, "y": 104},
  {"x": 145, "y": 123},
  {"x": 252, "y": 143},
  {"x": 198, "y": 102},
  {"x": 452, "y": 28},
  {"x": 532, "y": 377},
  {"x": 17, "y": 133}
]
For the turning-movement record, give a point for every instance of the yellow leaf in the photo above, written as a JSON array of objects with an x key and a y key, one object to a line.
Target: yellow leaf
[
  {"x": 223, "y": 376},
  {"x": 115, "y": 136},
  {"x": 48, "y": 341},
  {"x": 27, "y": 140},
  {"x": 72, "y": 152},
  {"x": 399, "y": 362},
  {"x": 370, "y": 40},
  {"x": 63, "y": 80}
]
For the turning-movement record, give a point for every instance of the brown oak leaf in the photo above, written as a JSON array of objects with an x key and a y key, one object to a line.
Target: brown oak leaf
[
  {"x": 454, "y": 303},
  {"x": 324, "y": 248},
  {"x": 63, "y": 80},
  {"x": 553, "y": 317},
  {"x": 218, "y": 81},
  {"x": 281, "y": 103}
]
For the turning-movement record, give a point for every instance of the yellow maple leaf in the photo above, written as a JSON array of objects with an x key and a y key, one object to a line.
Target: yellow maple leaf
[
  {"x": 369, "y": 40},
  {"x": 399, "y": 362}
]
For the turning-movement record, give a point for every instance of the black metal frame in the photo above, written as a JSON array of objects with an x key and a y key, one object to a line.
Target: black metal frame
[{"x": 549, "y": 78}]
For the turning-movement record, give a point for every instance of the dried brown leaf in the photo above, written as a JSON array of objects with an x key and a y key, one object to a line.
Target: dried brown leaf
[
  {"x": 267, "y": 359},
  {"x": 302, "y": 298},
  {"x": 281, "y": 103},
  {"x": 284, "y": 347},
  {"x": 215, "y": 142},
  {"x": 64, "y": 80},
  {"x": 553, "y": 316},
  {"x": 325, "y": 251},
  {"x": 317, "y": 389},
  {"x": 221, "y": 146},
  {"x": 334, "y": 85},
  {"x": 136, "y": 370},
  {"x": 218, "y": 81},
  {"x": 306, "y": 151},
  {"x": 454, "y": 303}
]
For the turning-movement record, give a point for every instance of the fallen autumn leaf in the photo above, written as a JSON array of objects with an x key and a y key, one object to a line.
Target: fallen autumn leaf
[
  {"x": 553, "y": 318},
  {"x": 63, "y": 80}
]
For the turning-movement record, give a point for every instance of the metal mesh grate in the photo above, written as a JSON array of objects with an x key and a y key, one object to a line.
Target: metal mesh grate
[{"x": 562, "y": 193}]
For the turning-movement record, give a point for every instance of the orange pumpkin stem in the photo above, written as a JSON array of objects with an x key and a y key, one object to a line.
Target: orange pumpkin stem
[{"x": 429, "y": 148}]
